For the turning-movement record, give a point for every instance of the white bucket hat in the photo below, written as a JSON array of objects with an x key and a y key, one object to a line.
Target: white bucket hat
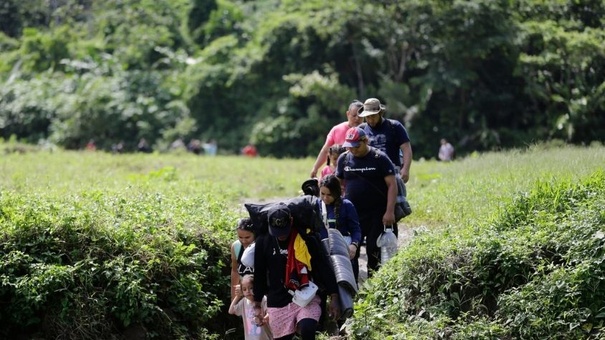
[{"x": 370, "y": 107}]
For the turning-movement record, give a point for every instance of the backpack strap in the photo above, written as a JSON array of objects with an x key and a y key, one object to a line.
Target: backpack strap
[
  {"x": 348, "y": 158},
  {"x": 324, "y": 214}
]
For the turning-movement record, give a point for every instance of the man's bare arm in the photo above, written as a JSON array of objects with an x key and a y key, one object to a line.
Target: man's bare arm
[
  {"x": 406, "y": 161},
  {"x": 322, "y": 158}
]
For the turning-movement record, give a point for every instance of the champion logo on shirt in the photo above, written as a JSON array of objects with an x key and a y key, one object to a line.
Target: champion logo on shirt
[{"x": 362, "y": 170}]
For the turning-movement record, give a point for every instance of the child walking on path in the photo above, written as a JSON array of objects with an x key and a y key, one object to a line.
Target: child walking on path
[
  {"x": 243, "y": 305},
  {"x": 333, "y": 154},
  {"x": 245, "y": 237}
]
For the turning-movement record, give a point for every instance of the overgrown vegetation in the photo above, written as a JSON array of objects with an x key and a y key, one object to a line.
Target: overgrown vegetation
[
  {"x": 95, "y": 245},
  {"x": 93, "y": 264},
  {"x": 487, "y": 75},
  {"x": 535, "y": 271}
]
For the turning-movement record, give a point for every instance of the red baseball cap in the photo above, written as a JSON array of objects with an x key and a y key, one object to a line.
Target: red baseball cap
[{"x": 353, "y": 137}]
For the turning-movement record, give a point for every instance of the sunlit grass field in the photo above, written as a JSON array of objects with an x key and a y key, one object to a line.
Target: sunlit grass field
[
  {"x": 477, "y": 187},
  {"x": 472, "y": 188},
  {"x": 231, "y": 178}
]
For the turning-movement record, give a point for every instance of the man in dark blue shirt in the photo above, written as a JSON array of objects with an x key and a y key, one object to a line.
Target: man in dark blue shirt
[{"x": 391, "y": 137}]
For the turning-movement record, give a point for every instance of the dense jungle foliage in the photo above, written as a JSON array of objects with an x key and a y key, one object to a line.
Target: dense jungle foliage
[{"x": 485, "y": 74}]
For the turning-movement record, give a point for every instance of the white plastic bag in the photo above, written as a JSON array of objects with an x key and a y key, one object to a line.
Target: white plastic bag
[
  {"x": 248, "y": 256},
  {"x": 303, "y": 296}
]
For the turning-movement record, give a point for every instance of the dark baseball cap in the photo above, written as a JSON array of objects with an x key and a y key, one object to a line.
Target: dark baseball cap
[{"x": 279, "y": 219}]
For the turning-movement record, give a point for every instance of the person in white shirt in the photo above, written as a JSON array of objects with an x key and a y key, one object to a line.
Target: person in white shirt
[{"x": 446, "y": 151}]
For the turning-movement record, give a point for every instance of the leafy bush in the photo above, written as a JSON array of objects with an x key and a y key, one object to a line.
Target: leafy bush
[
  {"x": 94, "y": 264},
  {"x": 535, "y": 271}
]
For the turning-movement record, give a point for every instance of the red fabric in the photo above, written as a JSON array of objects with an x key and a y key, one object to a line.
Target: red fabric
[
  {"x": 297, "y": 273},
  {"x": 250, "y": 151}
]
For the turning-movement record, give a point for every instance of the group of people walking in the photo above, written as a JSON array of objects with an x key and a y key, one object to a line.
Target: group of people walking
[
  {"x": 357, "y": 195},
  {"x": 379, "y": 154}
]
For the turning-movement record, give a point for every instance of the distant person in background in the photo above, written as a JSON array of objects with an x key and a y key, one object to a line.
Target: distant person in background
[
  {"x": 249, "y": 151},
  {"x": 446, "y": 151},
  {"x": 333, "y": 153},
  {"x": 91, "y": 146},
  {"x": 195, "y": 146},
  {"x": 337, "y": 135},
  {"x": 117, "y": 148},
  {"x": 178, "y": 145},
  {"x": 143, "y": 146},
  {"x": 210, "y": 147}
]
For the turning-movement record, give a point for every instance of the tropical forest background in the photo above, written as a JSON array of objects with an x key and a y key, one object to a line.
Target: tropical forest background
[{"x": 485, "y": 74}]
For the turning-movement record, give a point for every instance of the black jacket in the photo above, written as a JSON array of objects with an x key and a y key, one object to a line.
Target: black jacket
[{"x": 270, "y": 266}]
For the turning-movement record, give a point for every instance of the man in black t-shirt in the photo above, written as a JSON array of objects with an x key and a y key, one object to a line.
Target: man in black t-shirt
[{"x": 369, "y": 179}]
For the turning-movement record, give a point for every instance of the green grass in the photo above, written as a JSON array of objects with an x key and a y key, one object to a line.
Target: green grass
[
  {"x": 478, "y": 187},
  {"x": 232, "y": 178}
]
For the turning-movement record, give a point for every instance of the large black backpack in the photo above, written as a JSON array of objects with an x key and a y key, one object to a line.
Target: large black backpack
[
  {"x": 307, "y": 219},
  {"x": 304, "y": 210}
]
